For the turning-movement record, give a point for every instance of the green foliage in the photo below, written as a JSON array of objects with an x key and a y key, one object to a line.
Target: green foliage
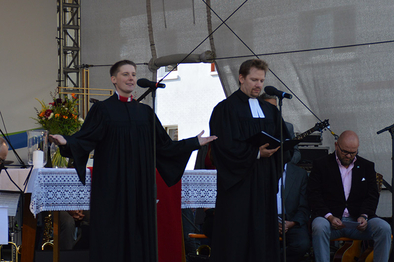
[{"x": 60, "y": 116}]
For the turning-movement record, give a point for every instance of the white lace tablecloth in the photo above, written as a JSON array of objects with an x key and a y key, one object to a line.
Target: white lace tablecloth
[
  {"x": 58, "y": 189},
  {"x": 199, "y": 188}
]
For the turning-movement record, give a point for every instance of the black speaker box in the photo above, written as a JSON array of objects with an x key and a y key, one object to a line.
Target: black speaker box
[{"x": 309, "y": 154}]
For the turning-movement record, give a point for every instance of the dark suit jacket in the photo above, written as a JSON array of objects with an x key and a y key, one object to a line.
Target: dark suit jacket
[
  {"x": 296, "y": 204},
  {"x": 325, "y": 188}
]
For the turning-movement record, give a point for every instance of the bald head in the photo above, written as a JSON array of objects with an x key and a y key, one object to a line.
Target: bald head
[
  {"x": 3, "y": 148},
  {"x": 349, "y": 138},
  {"x": 347, "y": 147}
]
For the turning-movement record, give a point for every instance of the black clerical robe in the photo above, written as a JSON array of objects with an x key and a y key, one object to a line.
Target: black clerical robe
[
  {"x": 246, "y": 223},
  {"x": 122, "y": 225}
]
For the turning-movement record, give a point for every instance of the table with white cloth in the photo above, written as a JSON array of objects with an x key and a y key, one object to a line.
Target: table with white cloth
[
  {"x": 55, "y": 189},
  {"x": 59, "y": 189},
  {"x": 199, "y": 188}
]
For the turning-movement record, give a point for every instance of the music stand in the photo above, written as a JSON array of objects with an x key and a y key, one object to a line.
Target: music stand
[{"x": 12, "y": 198}]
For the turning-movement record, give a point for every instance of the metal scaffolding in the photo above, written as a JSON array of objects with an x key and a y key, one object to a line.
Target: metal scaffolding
[{"x": 69, "y": 15}]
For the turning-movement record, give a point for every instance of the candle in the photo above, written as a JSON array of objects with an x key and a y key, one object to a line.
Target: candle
[{"x": 38, "y": 159}]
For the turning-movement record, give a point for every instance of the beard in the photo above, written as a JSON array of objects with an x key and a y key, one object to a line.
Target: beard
[{"x": 346, "y": 161}]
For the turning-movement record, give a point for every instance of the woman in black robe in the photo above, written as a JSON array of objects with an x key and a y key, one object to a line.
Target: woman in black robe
[
  {"x": 246, "y": 222},
  {"x": 123, "y": 197}
]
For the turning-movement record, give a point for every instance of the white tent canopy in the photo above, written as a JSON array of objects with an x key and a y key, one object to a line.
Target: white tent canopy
[{"x": 335, "y": 56}]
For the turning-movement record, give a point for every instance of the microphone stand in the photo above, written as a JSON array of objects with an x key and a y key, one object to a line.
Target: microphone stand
[
  {"x": 154, "y": 166},
  {"x": 390, "y": 129},
  {"x": 147, "y": 93},
  {"x": 282, "y": 187},
  {"x": 23, "y": 165},
  {"x": 153, "y": 91}
]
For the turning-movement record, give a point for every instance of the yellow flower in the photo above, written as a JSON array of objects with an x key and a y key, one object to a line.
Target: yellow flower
[{"x": 60, "y": 116}]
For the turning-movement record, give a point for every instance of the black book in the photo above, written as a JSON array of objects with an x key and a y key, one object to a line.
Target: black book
[{"x": 262, "y": 138}]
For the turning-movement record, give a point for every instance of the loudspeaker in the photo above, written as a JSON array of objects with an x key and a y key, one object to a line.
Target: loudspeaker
[{"x": 309, "y": 154}]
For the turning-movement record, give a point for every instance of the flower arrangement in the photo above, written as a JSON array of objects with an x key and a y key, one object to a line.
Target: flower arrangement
[{"x": 59, "y": 117}]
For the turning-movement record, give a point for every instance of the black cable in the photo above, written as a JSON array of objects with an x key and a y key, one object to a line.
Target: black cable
[
  {"x": 232, "y": 31},
  {"x": 2, "y": 120},
  {"x": 223, "y": 22},
  {"x": 5, "y": 170},
  {"x": 27, "y": 178},
  {"x": 10, "y": 144},
  {"x": 307, "y": 50},
  {"x": 89, "y": 65},
  {"x": 388, "y": 186},
  {"x": 175, "y": 67},
  {"x": 191, "y": 222},
  {"x": 254, "y": 54}
]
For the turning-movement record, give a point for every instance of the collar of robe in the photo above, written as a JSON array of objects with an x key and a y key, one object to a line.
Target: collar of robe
[
  {"x": 242, "y": 95},
  {"x": 255, "y": 108},
  {"x": 124, "y": 98}
]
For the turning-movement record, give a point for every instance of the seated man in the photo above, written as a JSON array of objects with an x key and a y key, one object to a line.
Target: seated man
[
  {"x": 296, "y": 204},
  {"x": 297, "y": 212},
  {"x": 70, "y": 223},
  {"x": 342, "y": 188}
]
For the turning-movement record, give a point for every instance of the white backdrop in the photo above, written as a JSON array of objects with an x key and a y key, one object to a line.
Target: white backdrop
[
  {"x": 28, "y": 62},
  {"x": 345, "y": 80}
]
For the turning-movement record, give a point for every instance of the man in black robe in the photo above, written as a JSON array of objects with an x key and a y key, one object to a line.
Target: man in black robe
[
  {"x": 246, "y": 223},
  {"x": 122, "y": 207}
]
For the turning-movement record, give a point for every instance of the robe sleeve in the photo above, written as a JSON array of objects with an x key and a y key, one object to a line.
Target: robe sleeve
[
  {"x": 233, "y": 156},
  {"x": 85, "y": 140},
  {"x": 172, "y": 156}
]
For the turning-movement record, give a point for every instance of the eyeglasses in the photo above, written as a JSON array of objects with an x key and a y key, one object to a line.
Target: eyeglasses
[{"x": 347, "y": 152}]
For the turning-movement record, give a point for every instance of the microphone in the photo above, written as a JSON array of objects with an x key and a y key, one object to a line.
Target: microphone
[
  {"x": 93, "y": 100},
  {"x": 272, "y": 91},
  {"x": 145, "y": 83}
]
